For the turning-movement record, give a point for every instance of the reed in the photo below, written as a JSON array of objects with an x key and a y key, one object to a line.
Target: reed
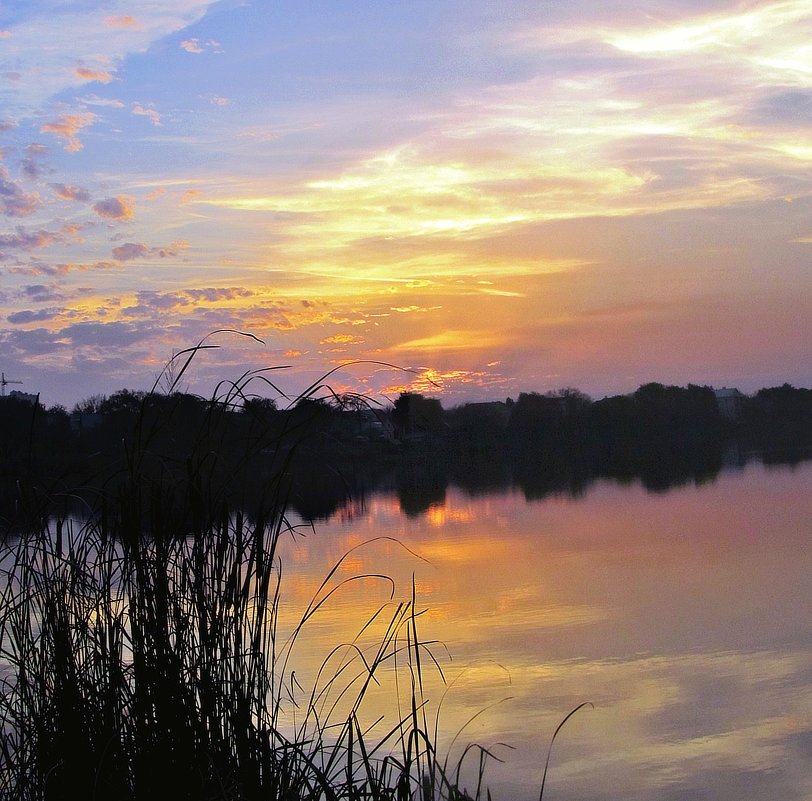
[
  {"x": 141, "y": 655},
  {"x": 140, "y": 649}
]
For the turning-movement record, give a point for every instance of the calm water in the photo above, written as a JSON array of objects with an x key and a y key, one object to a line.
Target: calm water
[{"x": 685, "y": 617}]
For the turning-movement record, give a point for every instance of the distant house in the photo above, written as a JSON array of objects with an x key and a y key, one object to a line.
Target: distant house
[
  {"x": 375, "y": 426},
  {"x": 730, "y": 402},
  {"x": 24, "y": 397}
]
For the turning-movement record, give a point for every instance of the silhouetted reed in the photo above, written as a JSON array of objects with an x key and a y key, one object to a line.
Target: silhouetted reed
[{"x": 140, "y": 642}]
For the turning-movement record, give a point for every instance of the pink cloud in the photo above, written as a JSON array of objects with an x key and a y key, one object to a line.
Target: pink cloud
[
  {"x": 197, "y": 46},
  {"x": 146, "y": 111},
  {"x": 191, "y": 45},
  {"x": 71, "y": 192},
  {"x": 37, "y": 269},
  {"x": 131, "y": 250},
  {"x": 14, "y": 201},
  {"x": 67, "y": 126},
  {"x": 27, "y": 240},
  {"x": 30, "y": 164}
]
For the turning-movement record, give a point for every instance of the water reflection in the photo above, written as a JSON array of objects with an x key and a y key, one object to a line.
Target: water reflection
[
  {"x": 685, "y": 618},
  {"x": 419, "y": 474}
]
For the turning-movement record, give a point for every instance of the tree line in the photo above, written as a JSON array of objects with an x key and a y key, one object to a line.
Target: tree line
[{"x": 319, "y": 450}]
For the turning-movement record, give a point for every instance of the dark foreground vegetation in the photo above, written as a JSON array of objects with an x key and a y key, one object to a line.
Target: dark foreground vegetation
[{"x": 141, "y": 650}]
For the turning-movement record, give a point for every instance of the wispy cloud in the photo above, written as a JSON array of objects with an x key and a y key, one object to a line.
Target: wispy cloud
[
  {"x": 27, "y": 316},
  {"x": 95, "y": 100},
  {"x": 147, "y": 111},
  {"x": 123, "y": 21},
  {"x": 453, "y": 341},
  {"x": 67, "y": 126},
  {"x": 150, "y": 302},
  {"x": 726, "y": 34},
  {"x": 195, "y": 45},
  {"x": 138, "y": 250},
  {"x": 76, "y": 34}
]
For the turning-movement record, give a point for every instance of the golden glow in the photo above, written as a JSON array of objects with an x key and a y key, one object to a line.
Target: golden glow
[
  {"x": 410, "y": 196},
  {"x": 439, "y": 516},
  {"x": 432, "y": 381},
  {"x": 714, "y": 32},
  {"x": 795, "y": 65},
  {"x": 454, "y": 340},
  {"x": 802, "y": 152}
]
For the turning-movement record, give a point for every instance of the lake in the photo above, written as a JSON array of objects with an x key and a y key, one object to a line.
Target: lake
[{"x": 684, "y": 616}]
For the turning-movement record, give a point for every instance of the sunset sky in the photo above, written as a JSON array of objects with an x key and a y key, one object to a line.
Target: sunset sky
[{"x": 499, "y": 196}]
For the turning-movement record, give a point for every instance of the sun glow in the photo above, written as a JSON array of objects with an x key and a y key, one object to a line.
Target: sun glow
[{"x": 714, "y": 32}]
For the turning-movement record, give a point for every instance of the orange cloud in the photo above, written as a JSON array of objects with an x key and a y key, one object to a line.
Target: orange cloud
[
  {"x": 431, "y": 380},
  {"x": 93, "y": 75},
  {"x": 67, "y": 126},
  {"x": 72, "y": 229},
  {"x": 341, "y": 339},
  {"x": 125, "y": 21},
  {"x": 412, "y": 308}
]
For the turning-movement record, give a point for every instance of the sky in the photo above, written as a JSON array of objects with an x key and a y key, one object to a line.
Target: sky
[{"x": 493, "y": 197}]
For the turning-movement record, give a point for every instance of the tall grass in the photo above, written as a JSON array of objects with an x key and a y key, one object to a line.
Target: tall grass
[
  {"x": 140, "y": 646},
  {"x": 141, "y": 649}
]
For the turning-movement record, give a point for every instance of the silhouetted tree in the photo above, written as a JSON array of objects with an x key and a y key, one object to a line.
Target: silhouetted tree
[
  {"x": 414, "y": 413},
  {"x": 90, "y": 405},
  {"x": 261, "y": 407},
  {"x": 124, "y": 402}
]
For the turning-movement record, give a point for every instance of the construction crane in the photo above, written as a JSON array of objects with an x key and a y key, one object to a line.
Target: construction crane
[{"x": 4, "y": 381}]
